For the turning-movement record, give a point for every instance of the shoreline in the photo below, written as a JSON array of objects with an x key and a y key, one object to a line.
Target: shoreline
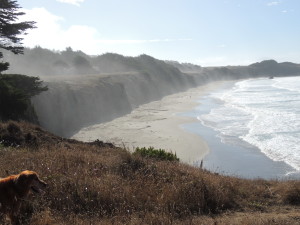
[
  {"x": 171, "y": 124},
  {"x": 239, "y": 159},
  {"x": 157, "y": 124}
]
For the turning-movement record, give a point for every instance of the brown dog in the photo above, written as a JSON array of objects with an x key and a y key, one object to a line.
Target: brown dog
[{"x": 14, "y": 189}]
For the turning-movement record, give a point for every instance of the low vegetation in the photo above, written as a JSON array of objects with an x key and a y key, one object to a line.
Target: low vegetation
[
  {"x": 159, "y": 154},
  {"x": 97, "y": 183}
]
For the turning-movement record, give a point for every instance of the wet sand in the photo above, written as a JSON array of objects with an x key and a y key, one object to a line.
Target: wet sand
[{"x": 156, "y": 124}]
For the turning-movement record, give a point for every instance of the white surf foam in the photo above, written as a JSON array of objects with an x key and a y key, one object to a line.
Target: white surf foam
[{"x": 262, "y": 112}]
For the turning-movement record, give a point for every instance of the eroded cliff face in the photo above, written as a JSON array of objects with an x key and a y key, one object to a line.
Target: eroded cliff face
[
  {"x": 72, "y": 103},
  {"x": 75, "y": 101}
]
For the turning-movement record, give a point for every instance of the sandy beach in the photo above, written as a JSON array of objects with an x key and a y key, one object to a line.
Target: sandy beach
[{"x": 156, "y": 124}]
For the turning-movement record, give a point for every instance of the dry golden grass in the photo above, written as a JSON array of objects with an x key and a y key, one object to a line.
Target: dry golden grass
[{"x": 96, "y": 183}]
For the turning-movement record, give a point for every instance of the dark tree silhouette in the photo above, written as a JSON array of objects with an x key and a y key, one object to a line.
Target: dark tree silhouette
[
  {"x": 15, "y": 94},
  {"x": 11, "y": 29},
  {"x": 15, "y": 90}
]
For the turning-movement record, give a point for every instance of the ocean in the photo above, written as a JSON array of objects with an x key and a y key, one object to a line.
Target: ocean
[{"x": 252, "y": 128}]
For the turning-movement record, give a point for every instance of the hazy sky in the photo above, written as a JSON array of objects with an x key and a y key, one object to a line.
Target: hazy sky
[{"x": 204, "y": 32}]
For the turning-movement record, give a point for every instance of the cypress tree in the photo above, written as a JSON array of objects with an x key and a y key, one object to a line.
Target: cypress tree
[{"x": 11, "y": 29}]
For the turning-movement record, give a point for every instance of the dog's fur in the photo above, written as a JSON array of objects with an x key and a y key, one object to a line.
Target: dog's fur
[{"x": 14, "y": 189}]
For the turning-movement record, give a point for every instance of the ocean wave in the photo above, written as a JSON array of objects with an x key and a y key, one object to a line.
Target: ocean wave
[{"x": 262, "y": 112}]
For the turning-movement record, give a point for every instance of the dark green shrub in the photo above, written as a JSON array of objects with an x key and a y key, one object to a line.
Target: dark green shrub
[
  {"x": 15, "y": 94},
  {"x": 160, "y": 154}
]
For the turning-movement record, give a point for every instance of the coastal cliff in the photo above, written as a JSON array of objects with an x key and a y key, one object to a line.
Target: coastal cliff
[
  {"x": 75, "y": 101},
  {"x": 84, "y": 90}
]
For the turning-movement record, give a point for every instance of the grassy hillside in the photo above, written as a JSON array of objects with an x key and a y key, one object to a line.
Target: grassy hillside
[{"x": 97, "y": 183}]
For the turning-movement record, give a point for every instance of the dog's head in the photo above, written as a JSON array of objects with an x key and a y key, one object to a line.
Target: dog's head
[{"x": 29, "y": 180}]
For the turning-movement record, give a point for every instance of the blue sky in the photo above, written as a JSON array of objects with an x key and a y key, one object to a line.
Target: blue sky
[{"x": 203, "y": 32}]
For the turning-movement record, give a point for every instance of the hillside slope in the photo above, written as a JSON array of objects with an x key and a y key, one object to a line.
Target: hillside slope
[{"x": 97, "y": 183}]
